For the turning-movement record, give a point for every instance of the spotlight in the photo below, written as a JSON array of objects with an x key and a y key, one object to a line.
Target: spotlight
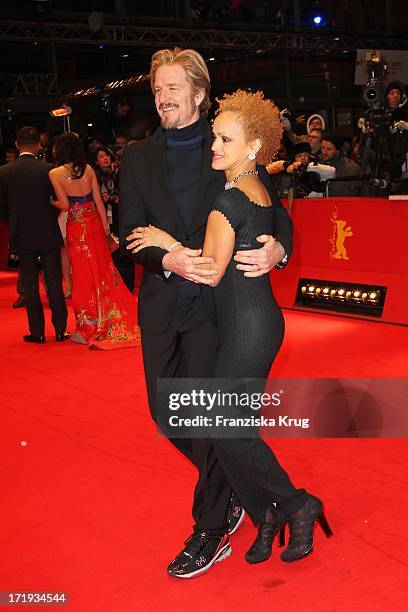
[
  {"x": 341, "y": 292},
  {"x": 311, "y": 289},
  {"x": 356, "y": 294},
  {"x": 61, "y": 111},
  {"x": 326, "y": 290},
  {"x": 333, "y": 292},
  {"x": 348, "y": 294},
  {"x": 304, "y": 290},
  {"x": 372, "y": 295}
]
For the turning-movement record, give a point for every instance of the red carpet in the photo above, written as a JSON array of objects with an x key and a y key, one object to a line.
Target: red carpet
[{"x": 96, "y": 505}]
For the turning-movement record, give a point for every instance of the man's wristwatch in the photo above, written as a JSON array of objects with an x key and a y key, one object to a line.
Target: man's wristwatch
[{"x": 284, "y": 260}]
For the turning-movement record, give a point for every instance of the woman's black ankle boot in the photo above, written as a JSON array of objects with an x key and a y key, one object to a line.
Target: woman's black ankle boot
[
  {"x": 261, "y": 549},
  {"x": 301, "y": 529}
]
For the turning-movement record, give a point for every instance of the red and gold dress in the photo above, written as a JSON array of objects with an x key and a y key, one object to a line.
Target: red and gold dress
[{"x": 105, "y": 310}]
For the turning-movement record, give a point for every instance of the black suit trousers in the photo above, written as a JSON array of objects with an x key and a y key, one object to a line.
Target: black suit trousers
[
  {"x": 51, "y": 262},
  {"x": 126, "y": 268},
  {"x": 188, "y": 349}
]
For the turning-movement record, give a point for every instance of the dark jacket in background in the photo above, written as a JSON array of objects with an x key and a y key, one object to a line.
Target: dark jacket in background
[
  {"x": 25, "y": 191},
  {"x": 345, "y": 167}
]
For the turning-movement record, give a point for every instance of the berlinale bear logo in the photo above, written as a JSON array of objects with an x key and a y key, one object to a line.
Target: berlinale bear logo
[{"x": 340, "y": 232}]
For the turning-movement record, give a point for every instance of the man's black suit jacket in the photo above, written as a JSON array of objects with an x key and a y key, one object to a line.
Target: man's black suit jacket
[
  {"x": 146, "y": 197},
  {"x": 25, "y": 191}
]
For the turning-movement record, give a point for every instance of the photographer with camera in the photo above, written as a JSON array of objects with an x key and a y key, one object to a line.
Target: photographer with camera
[
  {"x": 295, "y": 129},
  {"x": 397, "y": 103},
  {"x": 310, "y": 175},
  {"x": 384, "y": 126},
  {"x": 288, "y": 124},
  {"x": 300, "y": 176},
  {"x": 281, "y": 171}
]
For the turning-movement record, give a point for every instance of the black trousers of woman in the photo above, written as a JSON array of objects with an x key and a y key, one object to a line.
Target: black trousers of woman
[{"x": 251, "y": 330}]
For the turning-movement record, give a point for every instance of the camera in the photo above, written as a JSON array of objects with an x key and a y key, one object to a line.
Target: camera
[
  {"x": 373, "y": 93},
  {"x": 301, "y": 169},
  {"x": 377, "y": 121},
  {"x": 306, "y": 180}
]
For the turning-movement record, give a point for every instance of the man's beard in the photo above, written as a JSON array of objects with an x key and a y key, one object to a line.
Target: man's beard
[{"x": 170, "y": 124}]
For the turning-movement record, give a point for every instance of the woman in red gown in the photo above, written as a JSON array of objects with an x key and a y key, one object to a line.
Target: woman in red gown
[{"x": 105, "y": 310}]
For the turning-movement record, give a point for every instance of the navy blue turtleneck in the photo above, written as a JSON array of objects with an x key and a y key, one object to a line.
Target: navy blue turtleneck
[{"x": 183, "y": 158}]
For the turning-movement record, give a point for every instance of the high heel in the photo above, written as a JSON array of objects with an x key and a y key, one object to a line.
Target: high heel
[
  {"x": 301, "y": 529},
  {"x": 261, "y": 548},
  {"x": 325, "y": 525}
]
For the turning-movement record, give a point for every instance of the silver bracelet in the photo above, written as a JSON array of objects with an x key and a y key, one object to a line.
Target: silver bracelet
[{"x": 173, "y": 245}]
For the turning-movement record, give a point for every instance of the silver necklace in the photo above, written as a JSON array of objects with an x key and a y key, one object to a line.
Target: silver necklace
[{"x": 230, "y": 184}]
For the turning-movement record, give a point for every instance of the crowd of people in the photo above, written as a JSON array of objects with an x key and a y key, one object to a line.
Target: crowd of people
[
  {"x": 308, "y": 143},
  {"x": 370, "y": 155},
  {"x": 105, "y": 161},
  {"x": 58, "y": 216}
]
